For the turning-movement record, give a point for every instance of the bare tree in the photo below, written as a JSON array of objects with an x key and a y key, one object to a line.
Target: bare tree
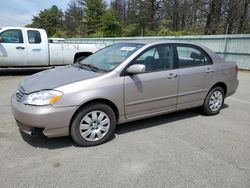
[{"x": 243, "y": 16}]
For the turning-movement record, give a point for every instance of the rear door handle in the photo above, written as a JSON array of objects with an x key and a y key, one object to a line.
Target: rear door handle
[
  {"x": 209, "y": 70},
  {"x": 20, "y": 48},
  {"x": 172, "y": 76}
]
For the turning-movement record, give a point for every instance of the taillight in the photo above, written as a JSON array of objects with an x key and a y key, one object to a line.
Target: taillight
[{"x": 236, "y": 68}]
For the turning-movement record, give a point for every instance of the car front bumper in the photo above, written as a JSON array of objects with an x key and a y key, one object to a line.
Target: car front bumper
[{"x": 54, "y": 121}]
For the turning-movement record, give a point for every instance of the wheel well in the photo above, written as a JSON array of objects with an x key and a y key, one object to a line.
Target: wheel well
[
  {"x": 222, "y": 85},
  {"x": 81, "y": 54},
  {"x": 103, "y": 101}
]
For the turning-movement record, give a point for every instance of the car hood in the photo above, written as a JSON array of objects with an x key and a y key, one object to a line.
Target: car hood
[{"x": 56, "y": 77}]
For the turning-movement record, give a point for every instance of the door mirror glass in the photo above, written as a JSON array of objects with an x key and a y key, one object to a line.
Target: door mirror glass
[{"x": 136, "y": 69}]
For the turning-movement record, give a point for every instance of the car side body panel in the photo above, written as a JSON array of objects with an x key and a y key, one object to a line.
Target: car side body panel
[
  {"x": 150, "y": 93},
  {"x": 194, "y": 84}
]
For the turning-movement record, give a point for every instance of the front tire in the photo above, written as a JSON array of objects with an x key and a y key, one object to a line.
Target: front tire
[
  {"x": 94, "y": 124},
  {"x": 214, "y": 101}
]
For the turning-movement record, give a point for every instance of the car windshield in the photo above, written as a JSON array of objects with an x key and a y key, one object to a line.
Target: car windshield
[{"x": 110, "y": 57}]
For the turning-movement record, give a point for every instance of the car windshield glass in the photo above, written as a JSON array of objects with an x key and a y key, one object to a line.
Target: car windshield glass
[{"x": 110, "y": 57}]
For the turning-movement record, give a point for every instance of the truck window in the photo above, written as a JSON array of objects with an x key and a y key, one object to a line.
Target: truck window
[
  {"x": 34, "y": 37},
  {"x": 11, "y": 36}
]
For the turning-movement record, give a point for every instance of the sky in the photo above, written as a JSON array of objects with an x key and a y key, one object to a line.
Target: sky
[{"x": 19, "y": 13}]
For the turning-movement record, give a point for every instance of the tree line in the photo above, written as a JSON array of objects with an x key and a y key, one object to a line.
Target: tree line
[{"x": 116, "y": 18}]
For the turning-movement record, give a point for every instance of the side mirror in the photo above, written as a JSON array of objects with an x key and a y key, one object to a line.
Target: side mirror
[{"x": 136, "y": 69}]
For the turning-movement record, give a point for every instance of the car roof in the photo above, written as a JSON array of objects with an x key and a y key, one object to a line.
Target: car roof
[
  {"x": 149, "y": 43},
  {"x": 154, "y": 42}
]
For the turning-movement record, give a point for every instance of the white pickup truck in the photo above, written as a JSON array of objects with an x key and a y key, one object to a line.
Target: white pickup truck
[{"x": 29, "y": 47}]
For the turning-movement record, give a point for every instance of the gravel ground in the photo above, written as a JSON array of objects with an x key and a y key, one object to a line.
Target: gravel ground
[{"x": 183, "y": 149}]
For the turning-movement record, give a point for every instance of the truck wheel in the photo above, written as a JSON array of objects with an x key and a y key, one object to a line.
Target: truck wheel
[
  {"x": 93, "y": 125},
  {"x": 214, "y": 101}
]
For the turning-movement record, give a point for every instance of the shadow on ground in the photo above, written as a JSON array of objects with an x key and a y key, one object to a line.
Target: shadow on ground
[
  {"x": 162, "y": 120},
  {"x": 159, "y": 120},
  {"x": 20, "y": 71},
  {"x": 39, "y": 140}
]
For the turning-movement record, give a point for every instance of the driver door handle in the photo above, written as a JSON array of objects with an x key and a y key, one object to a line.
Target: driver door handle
[
  {"x": 20, "y": 48},
  {"x": 172, "y": 76},
  {"x": 209, "y": 70}
]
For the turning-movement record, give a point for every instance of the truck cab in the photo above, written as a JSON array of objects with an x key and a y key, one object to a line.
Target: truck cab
[
  {"x": 30, "y": 47},
  {"x": 23, "y": 47}
]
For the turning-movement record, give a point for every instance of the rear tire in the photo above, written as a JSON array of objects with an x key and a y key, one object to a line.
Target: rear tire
[
  {"x": 214, "y": 101},
  {"x": 94, "y": 124}
]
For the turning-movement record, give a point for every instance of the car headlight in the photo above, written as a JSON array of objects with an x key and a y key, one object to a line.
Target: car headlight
[{"x": 45, "y": 97}]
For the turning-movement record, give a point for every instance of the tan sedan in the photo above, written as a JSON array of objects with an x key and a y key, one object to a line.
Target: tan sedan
[{"x": 121, "y": 83}]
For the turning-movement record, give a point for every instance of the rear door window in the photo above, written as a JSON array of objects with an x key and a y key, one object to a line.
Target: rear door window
[
  {"x": 190, "y": 56},
  {"x": 34, "y": 37}
]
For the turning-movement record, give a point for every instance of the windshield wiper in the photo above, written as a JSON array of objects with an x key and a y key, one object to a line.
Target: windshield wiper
[
  {"x": 77, "y": 65},
  {"x": 88, "y": 67},
  {"x": 83, "y": 66},
  {"x": 92, "y": 67}
]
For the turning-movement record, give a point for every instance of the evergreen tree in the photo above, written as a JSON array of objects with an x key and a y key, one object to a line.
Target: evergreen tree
[
  {"x": 111, "y": 27},
  {"x": 93, "y": 12},
  {"x": 49, "y": 19}
]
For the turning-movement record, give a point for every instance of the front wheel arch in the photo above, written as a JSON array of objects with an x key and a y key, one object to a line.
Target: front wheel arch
[
  {"x": 95, "y": 101},
  {"x": 104, "y": 128}
]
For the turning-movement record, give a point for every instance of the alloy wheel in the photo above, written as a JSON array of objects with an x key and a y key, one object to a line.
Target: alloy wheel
[
  {"x": 216, "y": 101},
  {"x": 94, "y": 125}
]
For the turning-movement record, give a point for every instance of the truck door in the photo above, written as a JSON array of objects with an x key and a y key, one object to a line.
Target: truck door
[
  {"x": 37, "y": 48},
  {"x": 13, "y": 50}
]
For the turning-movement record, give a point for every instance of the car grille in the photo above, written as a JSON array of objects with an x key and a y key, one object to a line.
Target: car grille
[{"x": 19, "y": 95}]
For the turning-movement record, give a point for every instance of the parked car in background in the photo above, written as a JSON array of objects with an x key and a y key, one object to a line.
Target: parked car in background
[
  {"x": 29, "y": 47},
  {"x": 121, "y": 83}
]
